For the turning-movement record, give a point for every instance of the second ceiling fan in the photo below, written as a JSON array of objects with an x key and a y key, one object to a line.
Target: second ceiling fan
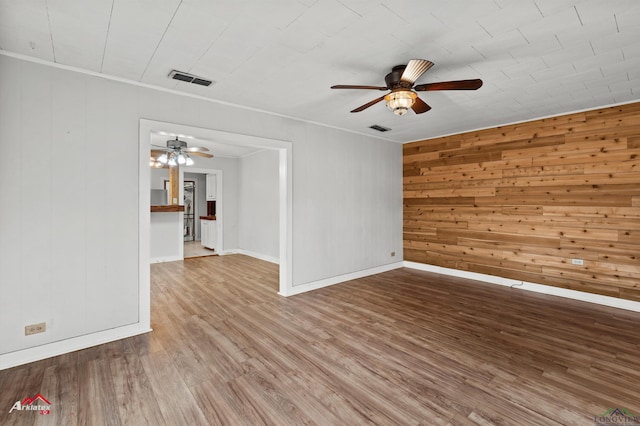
[
  {"x": 402, "y": 96},
  {"x": 176, "y": 153}
]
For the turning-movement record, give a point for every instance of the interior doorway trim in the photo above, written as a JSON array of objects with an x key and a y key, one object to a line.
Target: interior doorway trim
[{"x": 285, "y": 200}]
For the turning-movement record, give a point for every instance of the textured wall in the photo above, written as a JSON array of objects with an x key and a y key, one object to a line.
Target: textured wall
[{"x": 521, "y": 201}]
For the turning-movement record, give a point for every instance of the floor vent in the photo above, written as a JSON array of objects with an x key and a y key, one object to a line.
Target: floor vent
[
  {"x": 379, "y": 128},
  {"x": 189, "y": 78}
]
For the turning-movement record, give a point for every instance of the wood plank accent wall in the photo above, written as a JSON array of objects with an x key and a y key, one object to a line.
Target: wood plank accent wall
[{"x": 521, "y": 201}]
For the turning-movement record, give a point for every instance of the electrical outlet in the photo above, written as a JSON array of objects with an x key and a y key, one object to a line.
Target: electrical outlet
[
  {"x": 578, "y": 262},
  {"x": 35, "y": 328},
  {"x": 393, "y": 253}
]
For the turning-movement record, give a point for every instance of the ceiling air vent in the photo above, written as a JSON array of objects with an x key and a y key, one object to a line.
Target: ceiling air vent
[
  {"x": 379, "y": 128},
  {"x": 189, "y": 78},
  {"x": 201, "y": 81}
]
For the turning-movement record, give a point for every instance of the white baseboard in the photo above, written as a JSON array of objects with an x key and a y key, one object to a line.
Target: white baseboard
[
  {"x": 258, "y": 256},
  {"x": 226, "y": 252},
  {"x": 37, "y": 353},
  {"x": 314, "y": 285},
  {"x": 614, "y": 302},
  {"x": 165, "y": 259}
]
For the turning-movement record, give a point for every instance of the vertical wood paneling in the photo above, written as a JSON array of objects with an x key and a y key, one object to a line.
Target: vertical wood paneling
[
  {"x": 10, "y": 196},
  {"x": 67, "y": 210},
  {"x": 97, "y": 177},
  {"x": 37, "y": 195},
  {"x": 69, "y": 223},
  {"x": 521, "y": 201},
  {"x": 259, "y": 203}
]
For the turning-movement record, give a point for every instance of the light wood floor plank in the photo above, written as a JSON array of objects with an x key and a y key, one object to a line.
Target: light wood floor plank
[
  {"x": 130, "y": 378},
  {"x": 402, "y": 347},
  {"x": 172, "y": 395}
]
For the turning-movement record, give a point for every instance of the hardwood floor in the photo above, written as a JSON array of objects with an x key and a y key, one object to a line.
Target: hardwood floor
[
  {"x": 402, "y": 347},
  {"x": 195, "y": 249}
]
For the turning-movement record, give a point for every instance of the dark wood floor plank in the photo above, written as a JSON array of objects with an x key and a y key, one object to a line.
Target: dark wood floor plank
[
  {"x": 97, "y": 402},
  {"x": 17, "y": 384},
  {"x": 402, "y": 347},
  {"x": 60, "y": 383}
]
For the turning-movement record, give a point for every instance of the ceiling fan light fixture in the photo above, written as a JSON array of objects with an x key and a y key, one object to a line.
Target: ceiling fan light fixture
[
  {"x": 153, "y": 162},
  {"x": 177, "y": 153},
  {"x": 399, "y": 101}
]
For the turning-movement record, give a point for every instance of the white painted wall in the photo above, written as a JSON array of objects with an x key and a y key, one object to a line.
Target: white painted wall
[
  {"x": 230, "y": 183},
  {"x": 347, "y": 203},
  {"x": 68, "y": 204},
  {"x": 259, "y": 206},
  {"x": 69, "y": 198},
  {"x": 166, "y": 234},
  {"x": 158, "y": 176}
]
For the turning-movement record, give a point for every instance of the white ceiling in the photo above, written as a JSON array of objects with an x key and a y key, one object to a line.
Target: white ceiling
[{"x": 536, "y": 57}]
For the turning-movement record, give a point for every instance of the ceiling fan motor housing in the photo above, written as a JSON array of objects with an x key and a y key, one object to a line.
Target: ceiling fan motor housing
[
  {"x": 176, "y": 144},
  {"x": 393, "y": 79}
]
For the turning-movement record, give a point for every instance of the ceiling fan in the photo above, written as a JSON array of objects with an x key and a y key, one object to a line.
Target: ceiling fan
[
  {"x": 176, "y": 153},
  {"x": 400, "y": 83}
]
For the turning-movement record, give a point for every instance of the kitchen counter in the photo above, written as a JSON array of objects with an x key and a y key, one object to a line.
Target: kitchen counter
[
  {"x": 167, "y": 209},
  {"x": 207, "y": 218}
]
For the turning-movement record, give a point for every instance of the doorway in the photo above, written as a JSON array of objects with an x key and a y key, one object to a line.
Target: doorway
[
  {"x": 284, "y": 150},
  {"x": 201, "y": 223},
  {"x": 190, "y": 208},
  {"x": 209, "y": 212}
]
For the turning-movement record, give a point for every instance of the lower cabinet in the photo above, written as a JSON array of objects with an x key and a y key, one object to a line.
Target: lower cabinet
[{"x": 209, "y": 233}]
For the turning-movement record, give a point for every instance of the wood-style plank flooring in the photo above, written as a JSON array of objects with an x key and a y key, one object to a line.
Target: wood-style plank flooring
[
  {"x": 196, "y": 249},
  {"x": 402, "y": 347}
]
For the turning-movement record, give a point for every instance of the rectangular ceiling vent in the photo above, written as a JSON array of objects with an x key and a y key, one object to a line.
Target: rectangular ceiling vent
[
  {"x": 379, "y": 128},
  {"x": 189, "y": 78}
]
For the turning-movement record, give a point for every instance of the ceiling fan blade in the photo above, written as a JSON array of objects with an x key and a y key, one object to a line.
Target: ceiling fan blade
[
  {"x": 450, "y": 85},
  {"x": 201, "y": 154},
  {"x": 197, "y": 149},
  {"x": 420, "y": 106},
  {"x": 368, "y": 104},
  {"x": 347, "y": 86},
  {"x": 415, "y": 68},
  {"x": 157, "y": 152},
  {"x": 156, "y": 165}
]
